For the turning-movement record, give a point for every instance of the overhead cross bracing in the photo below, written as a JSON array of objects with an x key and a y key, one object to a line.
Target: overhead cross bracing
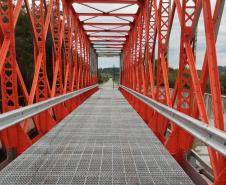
[
  {"x": 107, "y": 25},
  {"x": 48, "y": 69}
]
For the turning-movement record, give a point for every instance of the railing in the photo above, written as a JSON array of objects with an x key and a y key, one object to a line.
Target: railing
[
  {"x": 45, "y": 63},
  {"x": 15, "y": 139},
  {"x": 212, "y": 137},
  {"x": 14, "y": 117},
  {"x": 182, "y": 134}
]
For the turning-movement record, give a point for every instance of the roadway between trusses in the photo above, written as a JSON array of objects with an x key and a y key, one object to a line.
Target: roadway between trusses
[{"x": 104, "y": 141}]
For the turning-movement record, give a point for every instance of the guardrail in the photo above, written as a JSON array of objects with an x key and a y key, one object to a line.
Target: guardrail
[
  {"x": 211, "y": 136},
  {"x": 15, "y": 135},
  {"x": 11, "y": 118}
]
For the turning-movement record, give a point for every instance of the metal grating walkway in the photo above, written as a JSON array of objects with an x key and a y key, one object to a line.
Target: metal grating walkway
[{"x": 104, "y": 141}]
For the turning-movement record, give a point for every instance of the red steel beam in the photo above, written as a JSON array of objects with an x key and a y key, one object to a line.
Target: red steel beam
[
  {"x": 109, "y": 44},
  {"x": 108, "y": 31},
  {"x": 105, "y": 1},
  {"x": 106, "y": 14},
  {"x": 106, "y": 36},
  {"x": 108, "y": 47},
  {"x": 102, "y": 51},
  {"x": 189, "y": 88},
  {"x": 109, "y": 51},
  {"x": 46, "y": 17},
  {"x": 107, "y": 41},
  {"x": 152, "y": 24},
  {"x": 105, "y": 24}
]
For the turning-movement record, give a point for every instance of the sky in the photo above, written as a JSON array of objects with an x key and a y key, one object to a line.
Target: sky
[
  {"x": 105, "y": 62},
  {"x": 174, "y": 43},
  {"x": 201, "y": 44}
]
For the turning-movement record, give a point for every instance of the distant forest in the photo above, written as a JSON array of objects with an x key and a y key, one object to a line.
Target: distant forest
[
  {"x": 25, "y": 49},
  {"x": 106, "y": 73}
]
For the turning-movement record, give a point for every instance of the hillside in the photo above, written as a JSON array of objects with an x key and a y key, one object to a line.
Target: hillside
[
  {"x": 106, "y": 73},
  {"x": 222, "y": 69}
]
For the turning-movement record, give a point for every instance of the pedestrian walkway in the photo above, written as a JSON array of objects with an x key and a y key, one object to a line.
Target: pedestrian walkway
[{"x": 104, "y": 141}]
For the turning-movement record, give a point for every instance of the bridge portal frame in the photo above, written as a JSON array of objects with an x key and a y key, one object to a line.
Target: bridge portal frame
[{"x": 71, "y": 48}]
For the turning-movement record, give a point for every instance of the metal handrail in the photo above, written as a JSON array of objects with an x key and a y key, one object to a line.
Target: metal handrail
[
  {"x": 211, "y": 136},
  {"x": 14, "y": 117}
]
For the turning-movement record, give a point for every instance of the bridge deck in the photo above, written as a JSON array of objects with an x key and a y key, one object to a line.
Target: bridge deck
[{"x": 104, "y": 141}]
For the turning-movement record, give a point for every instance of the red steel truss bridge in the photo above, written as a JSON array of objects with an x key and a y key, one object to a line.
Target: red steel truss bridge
[{"x": 63, "y": 128}]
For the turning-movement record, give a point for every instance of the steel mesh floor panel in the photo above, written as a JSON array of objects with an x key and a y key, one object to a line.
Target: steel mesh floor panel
[{"x": 104, "y": 141}]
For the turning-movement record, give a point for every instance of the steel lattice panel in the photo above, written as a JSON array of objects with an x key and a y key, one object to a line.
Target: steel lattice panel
[{"x": 104, "y": 141}]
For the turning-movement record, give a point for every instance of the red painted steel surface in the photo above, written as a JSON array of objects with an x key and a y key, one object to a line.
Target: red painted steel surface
[
  {"x": 70, "y": 47},
  {"x": 148, "y": 34},
  {"x": 152, "y": 28}
]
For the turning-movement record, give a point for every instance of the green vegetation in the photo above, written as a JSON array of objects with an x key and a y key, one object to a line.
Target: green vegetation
[
  {"x": 102, "y": 78},
  {"x": 222, "y": 70},
  {"x": 172, "y": 77},
  {"x": 25, "y": 49},
  {"x": 223, "y": 83},
  {"x": 106, "y": 73}
]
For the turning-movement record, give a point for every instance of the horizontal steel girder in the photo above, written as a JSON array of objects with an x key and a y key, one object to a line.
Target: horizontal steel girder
[
  {"x": 98, "y": 36},
  {"x": 106, "y": 14},
  {"x": 107, "y": 31},
  {"x": 108, "y": 41},
  {"x": 105, "y": 1},
  {"x": 105, "y": 24}
]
